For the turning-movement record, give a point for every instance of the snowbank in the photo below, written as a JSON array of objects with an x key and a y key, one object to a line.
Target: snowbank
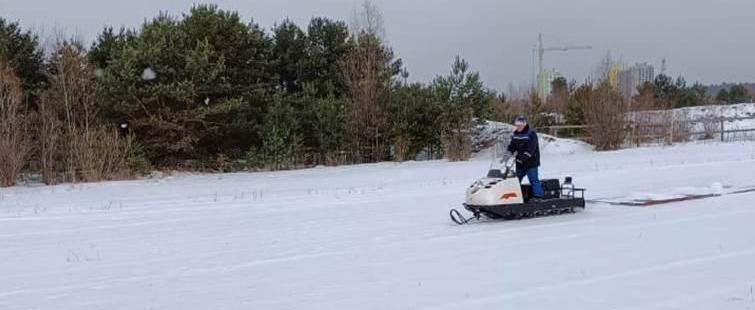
[
  {"x": 705, "y": 119},
  {"x": 731, "y": 110},
  {"x": 742, "y": 110},
  {"x": 485, "y": 137}
]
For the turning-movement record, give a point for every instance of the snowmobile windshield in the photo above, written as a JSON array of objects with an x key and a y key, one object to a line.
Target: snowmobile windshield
[
  {"x": 501, "y": 162},
  {"x": 501, "y": 166}
]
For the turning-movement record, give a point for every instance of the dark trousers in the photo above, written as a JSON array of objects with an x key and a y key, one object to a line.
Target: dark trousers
[{"x": 531, "y": 173}]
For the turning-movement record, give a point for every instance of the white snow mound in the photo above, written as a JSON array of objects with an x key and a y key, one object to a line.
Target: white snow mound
[{"x": 485, "y": 136}]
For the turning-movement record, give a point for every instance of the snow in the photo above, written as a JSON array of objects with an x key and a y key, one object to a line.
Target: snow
[
  {"x": 378, "y": 237},
  {"x": 730, "y": 110},
  {"x": 742, "y": 110},
  {"x": 148, "y": 74}
]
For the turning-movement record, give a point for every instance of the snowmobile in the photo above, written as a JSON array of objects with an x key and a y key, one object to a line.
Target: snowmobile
[{"x": 500, "y": 195}]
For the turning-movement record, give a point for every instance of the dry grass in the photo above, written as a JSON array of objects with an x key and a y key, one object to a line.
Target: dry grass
[
  {"x": 711, "y": 125},
  {"x": 14, "y": 142},
  {"x": 457, "y": 145},
  {"x": 74, "y": 144}
]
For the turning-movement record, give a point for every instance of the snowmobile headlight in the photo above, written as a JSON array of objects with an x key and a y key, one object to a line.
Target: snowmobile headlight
[{"x": 476, "y": 186}]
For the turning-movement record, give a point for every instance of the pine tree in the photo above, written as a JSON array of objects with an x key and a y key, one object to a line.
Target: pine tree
[
  {"x": 107, "y": 43},
  {"x": 281, "y": 145},
  {"x": 415, "y": 121},
  {"x": 193, "y": 87},
  {"x": 330, "y": 131},
  {"x": 289, "y": 53},
  {"x": 575, "y": 109},
  {"x": 327, "y": 44},
  {"x": 20, "y": 51},
  {"x": 462, "y": 96},
  {"x": 723, "y": 96},
  {"x": 739, "y": 94}
]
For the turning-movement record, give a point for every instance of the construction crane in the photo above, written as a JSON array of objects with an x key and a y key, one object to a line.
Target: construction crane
[{"x": 541, "y": 52}]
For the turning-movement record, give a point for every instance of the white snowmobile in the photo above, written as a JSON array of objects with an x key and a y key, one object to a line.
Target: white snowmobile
[{"x": 499, "y": 195}]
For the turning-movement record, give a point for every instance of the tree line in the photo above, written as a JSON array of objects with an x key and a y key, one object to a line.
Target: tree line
[
  {"x": 209, "y": 91},
  {"x": 605, "y": 110}
]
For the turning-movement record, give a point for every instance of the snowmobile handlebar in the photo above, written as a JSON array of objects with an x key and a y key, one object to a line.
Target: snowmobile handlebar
[{"x": 507, "y": 160}]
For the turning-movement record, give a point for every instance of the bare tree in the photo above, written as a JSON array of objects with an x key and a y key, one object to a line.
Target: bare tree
[
  {"x": 73, "y": 140},
  {"x": 14, "y": 144},
  {"x": 49, "y": 138},
  {"x": 368, "y": 19},
  {"x": 605, "y": 113},
  {"x": 367, "y": 72}
]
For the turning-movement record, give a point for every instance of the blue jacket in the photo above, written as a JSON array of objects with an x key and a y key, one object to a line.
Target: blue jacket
[{"x": 525, "y": 144}]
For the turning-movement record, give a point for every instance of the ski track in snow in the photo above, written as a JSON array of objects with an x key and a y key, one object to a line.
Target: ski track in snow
[{"x": 378, "y": 237}]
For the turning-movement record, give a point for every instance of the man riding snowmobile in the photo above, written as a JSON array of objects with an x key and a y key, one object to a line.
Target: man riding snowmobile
[
  {"x": 524, "y": 145},
  {"x": 498, "y": 195}
]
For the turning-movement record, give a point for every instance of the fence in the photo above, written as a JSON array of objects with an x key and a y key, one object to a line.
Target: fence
[{"x": 665, "y": 127}]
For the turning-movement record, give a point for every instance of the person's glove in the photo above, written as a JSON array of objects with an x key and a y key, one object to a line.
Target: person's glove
[{"x": 523, "y": 158}]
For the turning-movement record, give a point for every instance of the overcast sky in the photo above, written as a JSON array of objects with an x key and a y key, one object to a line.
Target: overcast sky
[{"x": 704, "y": 40}]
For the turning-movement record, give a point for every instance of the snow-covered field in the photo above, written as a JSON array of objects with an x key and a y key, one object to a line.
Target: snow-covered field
[{"x": 378, "y": 237}]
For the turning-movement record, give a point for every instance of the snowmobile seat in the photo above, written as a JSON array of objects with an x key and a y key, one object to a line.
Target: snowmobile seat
[{"x": 552, "y": 188}]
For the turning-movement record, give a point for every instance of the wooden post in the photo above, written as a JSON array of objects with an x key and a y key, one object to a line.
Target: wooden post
[
  {"x": 722, "y": 129},
  {"x": 671, "y": 130}
]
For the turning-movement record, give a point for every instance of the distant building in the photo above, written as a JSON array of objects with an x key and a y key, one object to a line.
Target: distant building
[
  {"x": 628, "y": 80},
  {"x": 615, "y": 71},
  {"x": 627, "y": 83},
  {"x": 544, "y": 82},
  {"x": 645, "y": 73}
]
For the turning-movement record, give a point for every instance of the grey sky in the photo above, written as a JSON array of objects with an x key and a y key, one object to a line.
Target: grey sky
[{"x": 707, "y": 41}]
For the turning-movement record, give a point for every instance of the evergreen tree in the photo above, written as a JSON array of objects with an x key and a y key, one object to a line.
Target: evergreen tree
[
  {"x": 696, "y": 95},
  {"x": 575, "y": 109},
  {"x": 462, "y": 96},
  {"x": 415, "y": 121},
  {"x": 329, "y": 132},
  {"x": 107, "y": 43},
  {"x": 191, "y": 88},
  {"x": 281, "y": 142},
  {"x": 20, "y": 50},
  {"x": 739, "y": 94},
  {"x": 665, "y": 90},
  {"x": 535, "y": 111},
  {"x": 290, "y": 54},
  {"x": 723, "y": 96},
  {"x": 559, "y": 95},
  {"x": 328, "y": 43}
]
